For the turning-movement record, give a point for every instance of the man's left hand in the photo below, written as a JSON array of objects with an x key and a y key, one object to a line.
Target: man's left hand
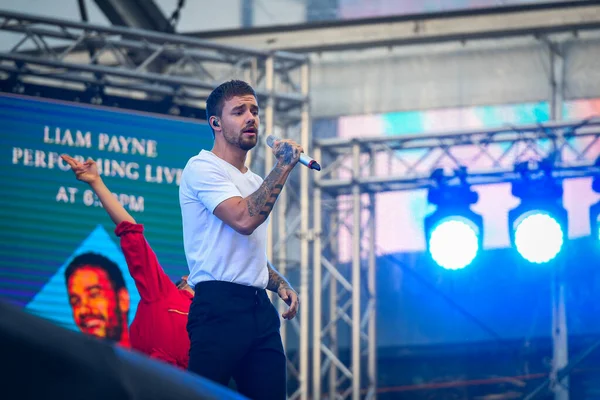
[{"x": 290, "y": 297}]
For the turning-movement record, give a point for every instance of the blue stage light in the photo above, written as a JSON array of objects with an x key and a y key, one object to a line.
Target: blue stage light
[
  {"x": 454, "y": 242},
  {"x": 453, "y": 232},
  {"x": 537, "y": 226},
  {"x": 539, "y": 236}
]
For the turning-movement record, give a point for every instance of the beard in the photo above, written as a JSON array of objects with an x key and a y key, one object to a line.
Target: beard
[
  {"x": 112, "y": 325},
  {"x": 247, "y": 143},
  {"x": 240, "y": 140},
  {"x": 115, "y": 331}
]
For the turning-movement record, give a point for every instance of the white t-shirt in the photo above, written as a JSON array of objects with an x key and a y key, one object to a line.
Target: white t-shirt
[{"x": 215, "y": 251}]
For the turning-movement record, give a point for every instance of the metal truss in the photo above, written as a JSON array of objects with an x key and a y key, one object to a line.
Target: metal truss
[
  {"x": 141, "y": 64},
  {"x": 357, "y": 169},
  {"x": 105, "y": 62},
  {"x": 401, "y": 30},
  {"x": 405, "y": 162}
]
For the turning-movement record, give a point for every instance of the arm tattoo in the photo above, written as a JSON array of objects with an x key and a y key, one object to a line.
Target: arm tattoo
[
  {"x": 262, "y": 201},
  {"x": 275, "y": 279}
]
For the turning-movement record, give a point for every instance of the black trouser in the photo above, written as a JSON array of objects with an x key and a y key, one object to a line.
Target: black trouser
[{"x": 234, "y": 332}]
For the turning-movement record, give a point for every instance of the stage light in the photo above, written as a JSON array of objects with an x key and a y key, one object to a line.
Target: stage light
[
  {"x": 453, "y": 232},
  {"x": 538, "y": 236},
  {"x": 537, "y": 225},
  {"x": 454, "y": 242}
]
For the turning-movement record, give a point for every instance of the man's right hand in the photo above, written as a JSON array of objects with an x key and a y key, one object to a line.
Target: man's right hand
[
  {"x": 85, "y": 172},
  {"x": 287, "y": 152}
]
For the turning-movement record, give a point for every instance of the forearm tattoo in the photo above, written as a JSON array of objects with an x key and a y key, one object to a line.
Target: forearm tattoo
[
  {"x": 262, "y": 201},
  {"x": 276, "y": 281}
]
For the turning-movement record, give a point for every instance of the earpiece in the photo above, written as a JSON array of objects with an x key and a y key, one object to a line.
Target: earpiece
[{"x": 216, "y": 122}]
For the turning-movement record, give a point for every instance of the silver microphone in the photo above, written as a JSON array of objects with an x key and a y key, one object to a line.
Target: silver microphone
[{"x": 304, "y": 159}]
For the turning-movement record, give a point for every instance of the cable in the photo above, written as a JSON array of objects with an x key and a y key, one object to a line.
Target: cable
[
  {"x": 83, "y": 11},
  {"x": 174, "y": 18}
]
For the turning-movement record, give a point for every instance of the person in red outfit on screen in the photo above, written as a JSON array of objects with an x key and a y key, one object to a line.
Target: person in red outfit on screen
[{"x": 159, "y": 326}]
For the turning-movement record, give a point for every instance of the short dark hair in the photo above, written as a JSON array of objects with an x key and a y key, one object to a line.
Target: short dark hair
[
  {"x": 97, "y": 260},
  {"x": 224, "y": 92}
]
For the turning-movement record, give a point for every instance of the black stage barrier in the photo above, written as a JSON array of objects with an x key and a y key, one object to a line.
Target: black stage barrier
[{"x": 40, "y": 360}]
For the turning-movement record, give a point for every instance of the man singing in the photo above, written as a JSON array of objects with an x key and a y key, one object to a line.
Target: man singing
[
  {"x": 159, "y": 326},
  {"x": 233, "y": 327}
]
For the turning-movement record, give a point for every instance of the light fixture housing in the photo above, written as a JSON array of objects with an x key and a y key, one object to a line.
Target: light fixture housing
[
  {"x": 453, "y": 232},
  {"x": 538, "y": 225}
]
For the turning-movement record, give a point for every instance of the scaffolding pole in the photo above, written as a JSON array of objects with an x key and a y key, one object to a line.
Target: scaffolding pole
[
  {"x": 306, "y": 237},
  {"x": 560, "y": 346}
]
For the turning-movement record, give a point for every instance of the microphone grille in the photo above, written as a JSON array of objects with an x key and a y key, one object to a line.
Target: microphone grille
[{"x": 271, "y": 140}]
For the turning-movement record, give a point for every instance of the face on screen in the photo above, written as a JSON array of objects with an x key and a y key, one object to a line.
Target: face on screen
[
  {"x": 97, "y": 307},
  {"x": 240, "y": 121}
]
